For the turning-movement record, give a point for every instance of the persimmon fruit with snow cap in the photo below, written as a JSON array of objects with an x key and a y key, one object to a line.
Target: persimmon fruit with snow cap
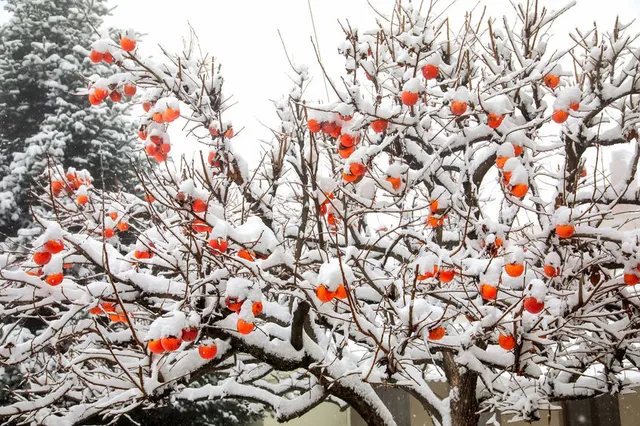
[
  {"x": 41, "y": 258},
  {"x": 189, "y": 334},
  {"x": 514, "y": 269},
  {"x": 379, "y": 126},
  {"x": 409, "y": 98},
  {"x": 395, "y": 182},
  {"x": 233, "y": 304},
  {"x": 341, "y": 292},
  {"x": 565, "y": 231},
  {"x": 560, "y": 116},
  {"x": 169, "y": 115},
  {"x": 57, "y": 187},
  {"x": 246, "y": 255},
  {"x": 130, "y": 90},
  {"x": 54, "y": 246},
  {"x": 428, "y": 274},
  {"x": 435, "y": 221},
  {"x": 96, "y": 56},
  {"x": 532, "y": 305},
  {"x": 519, "y": 190},
  {"x": 122, "y": 226},
  {"x": 430, "y": 71},
  {"x": 518, "y": 150},
  {"x": 127, "y": 44},
  {"x": 115, "y": 96},
  {"x": 574, "y": 106},
  {"x": 100, "y": 93},
  {"x": 96, "y": 310},
  {"x": 212, "y": 159},
  {"x": 328, "y": 127},
  {"x": 500, "y": 162},
  {"x": 506, "y": 177},
  {"x": 507, "y": 342},
  {"x": 218, "y": 245},
  {"x": 551, "y": 271},
  {"x": 494, "y": 120},
  {"x": 347, "y": 140},
  {"x": 108, "y": 233},
  {"x": 324, "y": 295},
  {"x": 207, "y": 351},
  {"x": 104, "y": 307},
  {"x": 488, "y": 292},
  {"x": 117, "y": 317},
  {"x": 93, "y": 99},
  {"x": 446, "y": 275},
  {"x": 357, "y": 169},
  {"x": 54, "y": 279},
  {"x": 348, "y": 177},
  {"x": 551, "y": 81},
  {"x": 314, "y": 126},
  {"x": 155, "y": 346},
  {"x": 345, "y": 152},
  {"x": 458, "y": 107},
  {"x": 256, "y": 308},
  {"x": 198, "y": 206},
  {"x": 171, "y": 343},
  {"x": 140, "y": 254},
  {"x": 107, "y": 57},
  {"x": 437, "y": 333},
  {"x": 631, "y": 279},
  {"x": 244, "y": 327},
  {"x": 108, "y": 306},
  {"x": 82, "y": 199},
  {"x": 200, "y": 226}
]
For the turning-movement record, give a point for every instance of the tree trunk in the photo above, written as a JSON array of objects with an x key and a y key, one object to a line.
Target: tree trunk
[
  {"x": 464, "y": 403},
  {"x": 571, "y": 173}
]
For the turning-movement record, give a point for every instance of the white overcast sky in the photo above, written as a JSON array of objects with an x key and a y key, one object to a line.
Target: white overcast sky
[{"x": 244, "y": 36}]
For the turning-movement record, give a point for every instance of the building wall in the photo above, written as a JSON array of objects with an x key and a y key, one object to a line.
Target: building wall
[
  {"x": 630, "y": 409},
  {"x": 325, "y": 414},
  {"x": 590, "y": 412}
]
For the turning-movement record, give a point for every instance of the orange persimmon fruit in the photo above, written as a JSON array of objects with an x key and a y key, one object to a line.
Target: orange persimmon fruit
[
  {"x": 507, "y": 342},
  {"x": 514, "y": 269},
  {"x": 409, "y": 98},
  {"x": 127, "y": 44},
  {"x": 488, "y": 292},
  {"x": 437, "y": 333}
]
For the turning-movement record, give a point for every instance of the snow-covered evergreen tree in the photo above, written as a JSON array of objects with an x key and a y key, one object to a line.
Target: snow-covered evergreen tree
[{"x": 42, "y": 116}]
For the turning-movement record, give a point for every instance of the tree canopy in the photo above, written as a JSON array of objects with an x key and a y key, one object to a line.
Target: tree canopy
[{"x": 446, "y": 217}]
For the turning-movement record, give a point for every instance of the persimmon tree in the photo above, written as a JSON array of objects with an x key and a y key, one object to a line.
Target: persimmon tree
[{"x": 446, "y": 218}]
